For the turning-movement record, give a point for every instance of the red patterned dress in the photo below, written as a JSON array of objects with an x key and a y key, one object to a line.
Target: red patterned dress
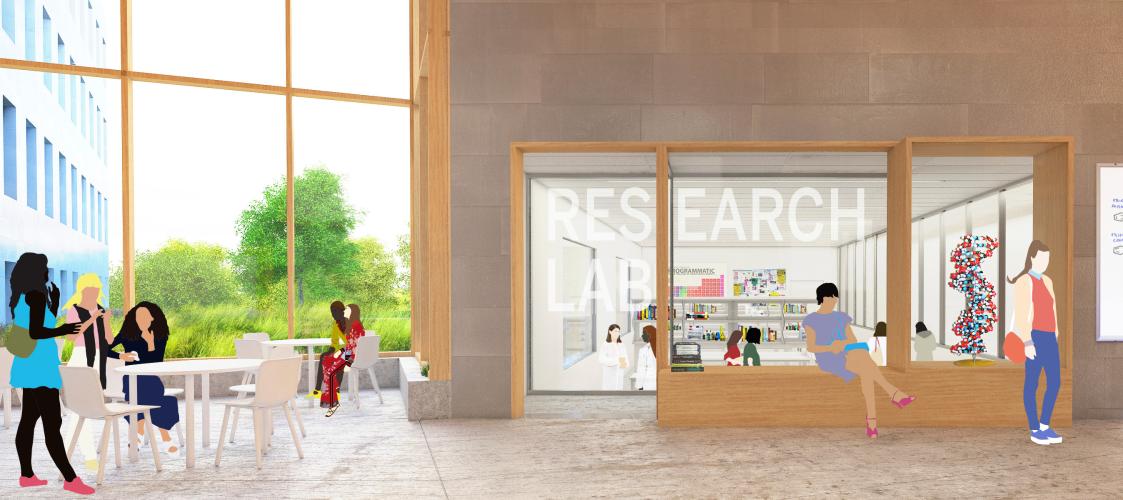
[{"x": 333, "y": 366}]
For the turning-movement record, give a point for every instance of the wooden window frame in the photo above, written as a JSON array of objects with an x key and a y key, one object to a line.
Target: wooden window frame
[{"x": 429, "y": 179}]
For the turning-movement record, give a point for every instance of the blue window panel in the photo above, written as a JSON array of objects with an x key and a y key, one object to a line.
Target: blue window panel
[
  {"x": 85, "y": 216},
  {"x": 82, "y": 94},
  {"x": 73, "y": 96},
  {"x": 8, "y": 18},
  {"x": 74, "y": 197},
  {"x": 62, "y": 188},
  {"x": 32, "y": 150},
  {"x": 61, "y": 77},
  {"x": 8, "y": 267},
  {"x": 48, "y": 178},
  {"x": 10, "y": 178},
  {"x": 48, "y": 44},
  {"x": 29, "y": 38}
]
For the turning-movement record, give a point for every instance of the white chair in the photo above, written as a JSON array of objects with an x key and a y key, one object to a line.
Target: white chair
[
  {"x": 82, "y": 395},
  {"x": 277, "y": 381},
  {"x": 366, "y": 355},
  {"x": 115, "y": 390},
  {"x": 245, "y": 349},
  {"x": 260, "y": 337},
  {"x": 6, "y": 390}
]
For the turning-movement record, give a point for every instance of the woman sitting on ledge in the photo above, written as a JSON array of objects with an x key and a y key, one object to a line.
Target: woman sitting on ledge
[{"x": 838, "y": 352}]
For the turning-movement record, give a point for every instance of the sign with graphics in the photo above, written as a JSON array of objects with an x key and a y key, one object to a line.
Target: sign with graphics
[
  {"x": 698, "y": 280},
  {"x": 1109, "y": 252},
  {"x": 760, "y": 282}
]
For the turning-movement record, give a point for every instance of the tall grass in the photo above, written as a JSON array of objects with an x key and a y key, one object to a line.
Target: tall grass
[{"x": 200, "y": 332}]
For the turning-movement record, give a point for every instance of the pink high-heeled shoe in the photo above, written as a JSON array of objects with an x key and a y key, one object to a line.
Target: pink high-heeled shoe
[
  {"x": 903, "y": 402},
  {"x": 871, "y": 432},
  {"x": 27, "y": 482}
]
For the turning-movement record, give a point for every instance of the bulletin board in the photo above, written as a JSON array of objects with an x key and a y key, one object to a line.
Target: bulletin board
[
  {"x": 760, "y": 282},
  {"x": 1109, "y": 252}
]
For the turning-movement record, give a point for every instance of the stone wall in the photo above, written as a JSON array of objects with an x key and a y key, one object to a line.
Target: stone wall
[{"x": 748, "y": 70}]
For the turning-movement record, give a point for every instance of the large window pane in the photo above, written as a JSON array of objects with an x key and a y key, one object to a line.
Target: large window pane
[
  {"x": 358, "y": 46},
  {"x": 241, "y": 40},
  {"x": 352, "y": 217},
  {"x": 933, "y": 277},
  {"x": 210, "y": 214},
  {"x": 49, "y": 157}
]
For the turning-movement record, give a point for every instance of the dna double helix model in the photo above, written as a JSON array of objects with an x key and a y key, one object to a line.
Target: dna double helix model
[{"x": 981, "y": 314}]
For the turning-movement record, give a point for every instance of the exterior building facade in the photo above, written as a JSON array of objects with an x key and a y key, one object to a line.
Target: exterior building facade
[{"x": 55, "y": 175}]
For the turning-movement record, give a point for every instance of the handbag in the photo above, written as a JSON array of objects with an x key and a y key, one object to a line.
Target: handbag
[
  {"x": 19, "y": 342},
  {"x": 1014, "y": 348}
]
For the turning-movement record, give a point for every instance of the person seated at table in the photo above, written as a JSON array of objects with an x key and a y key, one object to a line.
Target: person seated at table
[
  {"x": 751, "y": 353},
  {"x": 338, "y": 339},
  {"x": 342, "y": 358},
  {"x": 839, "y": 353},
  {"x": 144, "y": 335}
]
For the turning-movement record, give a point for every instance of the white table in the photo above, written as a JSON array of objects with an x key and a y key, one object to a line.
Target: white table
[
  {"x": 307, "y": 344},
  {"x": 188, "y": 368}
]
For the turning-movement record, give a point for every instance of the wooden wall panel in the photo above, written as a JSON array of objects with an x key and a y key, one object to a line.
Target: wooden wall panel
[
  {"x": 662, "y": 257},
  {"x": 1053, "y": 196},
  {"x": 438, "y": 186},
  {"x": 518, "y": 284},
  {"x": 899, "y": 256},
  {"x": 947, "y": 396}
]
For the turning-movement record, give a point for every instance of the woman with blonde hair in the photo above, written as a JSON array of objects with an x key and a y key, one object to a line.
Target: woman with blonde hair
[{"x": 90, "y": 345}]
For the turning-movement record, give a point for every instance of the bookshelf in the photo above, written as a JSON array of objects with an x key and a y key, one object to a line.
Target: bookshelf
[{"x": 711, "y": 320}]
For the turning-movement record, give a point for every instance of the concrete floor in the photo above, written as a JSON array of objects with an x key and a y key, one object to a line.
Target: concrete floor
[{"x": 610, "y": 447}]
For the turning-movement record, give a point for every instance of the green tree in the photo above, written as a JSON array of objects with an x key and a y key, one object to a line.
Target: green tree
[
  {"x": 403, "y": 255},
  {"x": 375, "y": 282},
  {"x": 325, "y": 257},
  {"x": 182, "y": 273}
]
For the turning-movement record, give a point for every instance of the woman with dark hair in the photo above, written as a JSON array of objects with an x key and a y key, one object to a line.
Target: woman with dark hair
[
  {"x": 613, "y": 358},
  {"x": 34, "y": 307},
  {"x": 732, "y": 350},
  {"x": 338, "y": 339},
  {"x": 751, "y": 342},
  {"x": 335, "y": 364},
  {"x": 839, "y": 353},
  {"x": 924, "y": 345},
  {"x": 1035, "y": 323},
  {"x": 880, "y": 331},
  {"x": 646, "y": 364},
  {"x": 144, "y": 335}
]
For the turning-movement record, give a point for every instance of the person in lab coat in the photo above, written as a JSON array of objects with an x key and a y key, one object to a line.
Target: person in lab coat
[
  {"x": 614, "y": 359},
  {"x": 645, "y": 361}
]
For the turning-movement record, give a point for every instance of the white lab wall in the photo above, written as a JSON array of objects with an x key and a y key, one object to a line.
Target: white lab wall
[{"x": 545, "y": 329}]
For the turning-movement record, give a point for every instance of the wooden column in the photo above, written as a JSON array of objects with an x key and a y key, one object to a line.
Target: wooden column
[
  {"x": 290, "y": 173},
  {"x": 662, "y": 255},
  {"x": 1053, "y": 196},
  {"x": 518, "y": 284},
  {"x": 128, "y": 245},
  {"x": 438, "y": 184},
  {"x": 898, "y": 259}
]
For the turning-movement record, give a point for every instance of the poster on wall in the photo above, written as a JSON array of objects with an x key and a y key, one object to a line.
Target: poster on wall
[
  {"x": 760, "y": 282},
  {"x": 1109, "y": 252},
  {"x": 698, "y": 280}
]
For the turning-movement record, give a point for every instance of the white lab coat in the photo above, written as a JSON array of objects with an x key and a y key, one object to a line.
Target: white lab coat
[
  {"x": 613, "y": 373},
  {"x": 645, "y": 368}
]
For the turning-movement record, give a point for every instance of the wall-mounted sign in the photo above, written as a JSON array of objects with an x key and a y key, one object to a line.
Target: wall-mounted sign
[
  {"x": 760, "y": 282},
  {"x": 1109, "y": 252},
  {"x": 699, "y": 280}
]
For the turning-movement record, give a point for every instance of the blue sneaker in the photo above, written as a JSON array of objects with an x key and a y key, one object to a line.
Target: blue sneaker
[
  {"x": 1039, "y": 437},
  {"x": 1052, "y": 436}
]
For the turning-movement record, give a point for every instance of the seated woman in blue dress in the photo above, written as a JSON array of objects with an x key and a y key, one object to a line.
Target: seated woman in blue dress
[
  {"x": 145, "y": 333},
  {"x": 839, "y": 353}
]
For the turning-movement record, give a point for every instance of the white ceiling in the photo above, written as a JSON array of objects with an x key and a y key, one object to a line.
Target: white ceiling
[{"x": 937, "y": 183}]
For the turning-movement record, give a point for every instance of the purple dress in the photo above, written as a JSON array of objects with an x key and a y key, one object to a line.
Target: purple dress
[{"x": 829, "y": 328}]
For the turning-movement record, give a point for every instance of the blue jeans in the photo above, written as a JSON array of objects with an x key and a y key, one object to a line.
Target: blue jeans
[{"x": 1049, "y": 359}]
